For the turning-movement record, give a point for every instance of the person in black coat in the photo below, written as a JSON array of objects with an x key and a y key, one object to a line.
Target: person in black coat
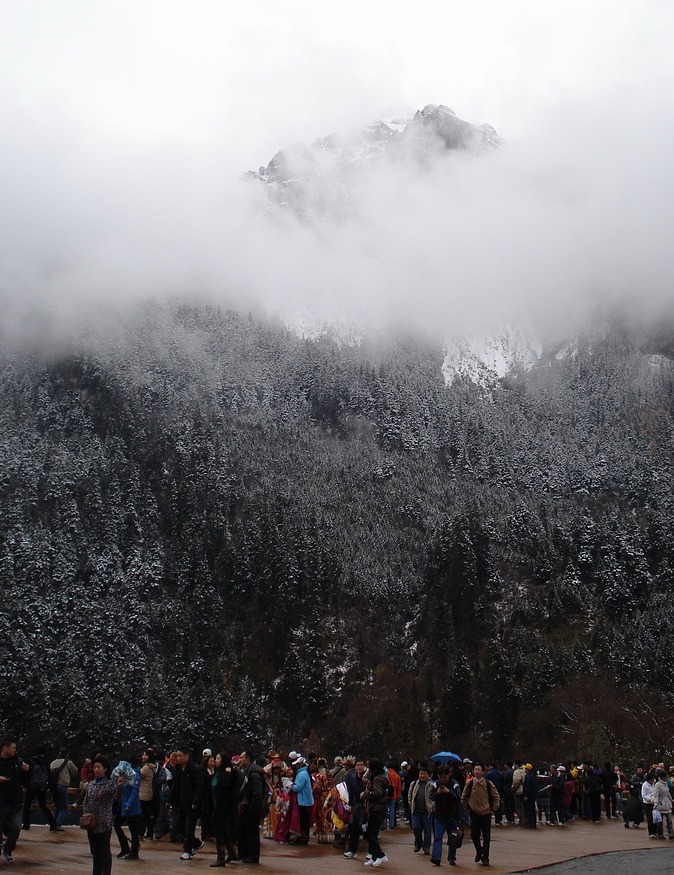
[
  {"x": 224, "y": 788},
  {"x": 530, "y": 794},
  {"x": 251, "y": 809},
  {"x": 186, "y": 797},
  {"x": 495, "y": 775},
  {"x": 355, "y": 784},
  {"x": 12, "y": 770},
  {"x": 36, "y": 788},
  {"x": 507, "y": 797}
]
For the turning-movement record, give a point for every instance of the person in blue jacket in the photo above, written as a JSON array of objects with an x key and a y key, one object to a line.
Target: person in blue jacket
[
  {"x": 305, "y": 797},
  {"x": 127, "y": 775}
]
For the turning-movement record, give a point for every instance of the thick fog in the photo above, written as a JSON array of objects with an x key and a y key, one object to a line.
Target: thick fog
[{"x": 128, "y": 128}]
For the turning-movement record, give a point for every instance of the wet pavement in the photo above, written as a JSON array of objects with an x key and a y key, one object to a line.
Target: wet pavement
[{"x": 591, "y": 849}]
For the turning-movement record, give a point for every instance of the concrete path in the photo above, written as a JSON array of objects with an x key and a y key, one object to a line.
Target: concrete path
[{"x": 513, "y": 850}]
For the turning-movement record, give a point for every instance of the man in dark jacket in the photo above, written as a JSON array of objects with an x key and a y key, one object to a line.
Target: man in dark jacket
[
  {"x": 529, "y": 795},
  {"x": 186, "y": 795},
  {"x": 38, "y": 778},
  {"x": 610, "y": 781},
  {"x": 495, "y": 775},
  {"x": 508, "y": 798},
  {"x": 251, "y": 809},
  {"x": 446, "y": 795},
  {"x": 11, "y": 796},
  {"x": 356, "y": 786}
]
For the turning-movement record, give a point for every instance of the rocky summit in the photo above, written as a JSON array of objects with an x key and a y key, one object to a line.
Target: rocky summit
[{"x": 317, "y": 180}]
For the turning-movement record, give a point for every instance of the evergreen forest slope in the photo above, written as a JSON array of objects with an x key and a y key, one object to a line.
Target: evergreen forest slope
[{"x": 212, "y": 529}]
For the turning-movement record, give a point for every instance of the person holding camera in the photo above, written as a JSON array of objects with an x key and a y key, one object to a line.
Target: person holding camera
[{"x": 97, "y": 809}]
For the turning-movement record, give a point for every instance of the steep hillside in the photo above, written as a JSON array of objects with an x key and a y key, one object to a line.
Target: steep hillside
[{"x": 211, "y": 528}]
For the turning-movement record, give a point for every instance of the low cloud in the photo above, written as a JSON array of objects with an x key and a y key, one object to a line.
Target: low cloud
[{"x": 544, "y": 228}]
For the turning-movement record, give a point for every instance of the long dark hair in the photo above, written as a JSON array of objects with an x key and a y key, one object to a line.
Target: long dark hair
[
  {"x": 225, "y": 761},
  {"x": 376, "y": 767}
]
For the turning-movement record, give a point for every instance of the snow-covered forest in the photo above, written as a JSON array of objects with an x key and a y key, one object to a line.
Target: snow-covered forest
[{"x": 211, "y": 528}]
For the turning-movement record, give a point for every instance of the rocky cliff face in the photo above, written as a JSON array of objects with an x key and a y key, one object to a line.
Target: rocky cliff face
[{"x": 317, "y": 180}]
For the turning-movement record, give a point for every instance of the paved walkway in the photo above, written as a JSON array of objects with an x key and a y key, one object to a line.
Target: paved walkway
[{"x": 513, "y": 850}]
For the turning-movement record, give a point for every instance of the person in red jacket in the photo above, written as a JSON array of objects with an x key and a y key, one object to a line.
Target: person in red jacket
[{"x": 397, "y": 785}]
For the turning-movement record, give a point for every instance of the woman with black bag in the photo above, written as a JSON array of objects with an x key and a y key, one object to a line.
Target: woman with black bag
[
  {"x": 375, "y": 798},
  {"x": 97, "y": 815}
]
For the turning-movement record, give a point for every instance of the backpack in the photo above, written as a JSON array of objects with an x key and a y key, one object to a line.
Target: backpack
[
  {"x": 54, "y": 775},
  {"x": 489, "y": 796},
  {"x": 158, "y": 780},
  {"x": 593, "y": 783},
  {"x": 38, "y": 777}
]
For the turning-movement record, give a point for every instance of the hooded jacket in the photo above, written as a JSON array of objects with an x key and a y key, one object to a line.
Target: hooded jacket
[{"x": 302, "y": 786}]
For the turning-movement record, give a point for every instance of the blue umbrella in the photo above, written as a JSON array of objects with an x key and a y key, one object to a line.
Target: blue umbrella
[{"x": 444, "y": 756}]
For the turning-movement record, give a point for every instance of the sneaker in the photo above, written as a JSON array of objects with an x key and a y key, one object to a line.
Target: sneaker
[
  {"x": 186, "y": 855},
  {"x": 435, "y": 862},
  {"x": 56, "y": 829},
  {"x": 380, "y": 860},
  {"x": 369, "y": 862},
  {"x": 350, "y": 855},
  {"x": 8, "y": 856},
  {"x": 122, "y": 854}
]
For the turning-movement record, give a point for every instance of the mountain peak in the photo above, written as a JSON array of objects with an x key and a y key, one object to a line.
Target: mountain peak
[{"x": 316, "y": 180}]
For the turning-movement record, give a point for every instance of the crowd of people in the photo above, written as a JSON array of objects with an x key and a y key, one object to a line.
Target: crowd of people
[{"x": 236, "y": 800}]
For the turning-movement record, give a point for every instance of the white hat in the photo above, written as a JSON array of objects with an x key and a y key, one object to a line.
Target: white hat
[
  {"x": 299, "y": 761},
  {"x": 207, "y": 752}
]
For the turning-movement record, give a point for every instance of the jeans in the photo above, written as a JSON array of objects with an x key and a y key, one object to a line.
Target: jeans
[
  {"x": 354, "y": 828},
  {"x": 392, "y": 813},
  {"x": 440, "y": 827},
  {"x": 666, "y": 817},
  {"x": 61, "y": 803},
  {"x": 10, "y": 826},
  {"x": 421, "y": 824}
]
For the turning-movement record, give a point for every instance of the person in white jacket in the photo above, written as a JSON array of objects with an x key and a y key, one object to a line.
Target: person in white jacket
[
  {"x": 662, "y": 803},
  {"x": 647, "y": 803}
]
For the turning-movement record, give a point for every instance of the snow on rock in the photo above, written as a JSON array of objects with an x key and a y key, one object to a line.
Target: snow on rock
[{"x": 486, "y": 360}]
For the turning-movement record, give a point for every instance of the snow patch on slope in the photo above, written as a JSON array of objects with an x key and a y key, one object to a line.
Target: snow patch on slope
[{"x": 485, "y": 360}]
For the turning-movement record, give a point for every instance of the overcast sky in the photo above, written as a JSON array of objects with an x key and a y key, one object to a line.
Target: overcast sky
[{"x": 126, "y": 127}]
